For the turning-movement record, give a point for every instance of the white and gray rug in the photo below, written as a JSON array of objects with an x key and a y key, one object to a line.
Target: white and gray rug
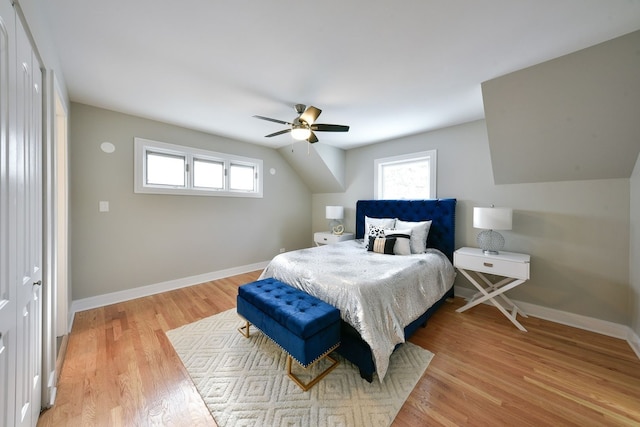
[{"x": 244, "y": 383}]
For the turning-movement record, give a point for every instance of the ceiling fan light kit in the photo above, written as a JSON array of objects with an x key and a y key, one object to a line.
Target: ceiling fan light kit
[
  {"x": 300, "y": 132},
  {"x": 302, "y": 128}
]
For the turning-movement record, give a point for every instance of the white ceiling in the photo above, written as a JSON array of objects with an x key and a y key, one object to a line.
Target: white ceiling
[{"x": 387, "y": 69}]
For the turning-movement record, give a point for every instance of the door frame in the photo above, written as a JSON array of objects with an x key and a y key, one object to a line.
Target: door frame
[{"x": 56, "y": 226}]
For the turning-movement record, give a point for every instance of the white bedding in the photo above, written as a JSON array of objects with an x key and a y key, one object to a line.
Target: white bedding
[{"x": 377, "y": 294}]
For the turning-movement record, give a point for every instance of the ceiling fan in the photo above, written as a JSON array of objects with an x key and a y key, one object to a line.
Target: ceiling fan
[{"x": 304, "y": 125}]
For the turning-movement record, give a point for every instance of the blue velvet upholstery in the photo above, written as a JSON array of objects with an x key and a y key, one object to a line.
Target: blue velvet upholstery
[
  {"x": 304, "y": 326},
  {"x": 442, "y": 213}
]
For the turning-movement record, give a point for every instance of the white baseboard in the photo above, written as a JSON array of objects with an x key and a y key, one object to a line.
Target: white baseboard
[
  {"x": 143, "y": 291},
  {"x": 603, "y": 327}
]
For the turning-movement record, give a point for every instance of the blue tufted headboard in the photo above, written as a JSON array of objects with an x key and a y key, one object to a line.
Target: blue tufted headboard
[{"x": 441, "y": 211}]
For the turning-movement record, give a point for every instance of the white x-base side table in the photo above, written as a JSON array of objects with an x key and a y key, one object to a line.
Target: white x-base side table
[{"x": 512, "y": 266}]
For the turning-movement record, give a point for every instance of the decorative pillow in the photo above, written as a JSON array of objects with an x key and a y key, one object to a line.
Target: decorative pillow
[
  {"x": 378, "y": 222},
  {"x": 402, "y": 246},
  {"x": 374, "y": 231},
  {"x": 419, "y": 233},
  {"x": 381, "y": 245}
]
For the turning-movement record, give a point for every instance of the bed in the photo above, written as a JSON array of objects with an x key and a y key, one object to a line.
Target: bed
[{"x": 383, "y": 298}]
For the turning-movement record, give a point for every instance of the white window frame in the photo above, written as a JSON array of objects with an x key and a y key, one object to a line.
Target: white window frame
[
  {"x": 430, "y": 155},
  {"x": 142, "y": 146}
]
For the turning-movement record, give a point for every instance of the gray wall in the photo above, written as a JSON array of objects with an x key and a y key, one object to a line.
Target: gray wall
[
  {"x": 572, "y": 118},
  {"x": 147, "y": 239},
  {"x": 577, "y": 232},
  {"x": 634, "y": 249}
]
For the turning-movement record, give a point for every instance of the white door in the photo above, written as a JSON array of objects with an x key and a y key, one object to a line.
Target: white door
[
  {"x": 8, "y": 302},
  {"x": 21, "y": 225},
  {"x": 28, "y": 224}
]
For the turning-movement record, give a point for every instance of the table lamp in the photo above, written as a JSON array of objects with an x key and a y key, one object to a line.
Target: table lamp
[
  {"x": 335, "y": 214},
  {"x": 490, "y": 219}
]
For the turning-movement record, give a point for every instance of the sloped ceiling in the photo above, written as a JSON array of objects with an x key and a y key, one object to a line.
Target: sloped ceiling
[
  {"x": 576, "y": 117},
  {"x": 321, "y": 167},
  {"x": 388, "y": 69}
]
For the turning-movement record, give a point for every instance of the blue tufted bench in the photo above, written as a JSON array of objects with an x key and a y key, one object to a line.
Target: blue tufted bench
[{"x": 306, "y": 328}]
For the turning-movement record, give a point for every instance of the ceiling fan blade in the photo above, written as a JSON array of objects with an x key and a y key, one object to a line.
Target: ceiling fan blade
[
  {"x": 329, "y": 128},
  {"x": 277, "y": 133},
  {"x": 272, "y": 120},
  {"x": 311, "y": 114},
  {"x": 312, "y": 138}
]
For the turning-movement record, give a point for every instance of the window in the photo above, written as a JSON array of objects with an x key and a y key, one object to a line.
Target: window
[
  {"x": 410, "y": 176},
  {"x": 208, "y": 174},
  {"x": 163, "y": 168},
  {"x": 241, "y": 177}
]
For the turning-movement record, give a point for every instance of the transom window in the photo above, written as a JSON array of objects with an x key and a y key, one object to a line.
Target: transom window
[
  {"x": 208, "y": 174},
  {"x": 409, "y": 176},
  {"x": 163, "y": 168}
]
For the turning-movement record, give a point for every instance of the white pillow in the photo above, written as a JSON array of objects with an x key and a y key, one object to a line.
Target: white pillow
[
  {"x": 419, "y": 233},
  {"x": 403, "y": 238},
  {"x": 378, "y": 222}
]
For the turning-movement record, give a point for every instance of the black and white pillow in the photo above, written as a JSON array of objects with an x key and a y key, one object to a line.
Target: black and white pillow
[
  {"x": 376, "y": 222},
  {"x": 374, "y": 231},
  {"x": 381, "y": 245},
  {"x": 403, "y": 241}
]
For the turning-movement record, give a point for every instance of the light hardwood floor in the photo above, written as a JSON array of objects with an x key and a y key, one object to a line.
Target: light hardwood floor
[{"x": 120, "y": 369}]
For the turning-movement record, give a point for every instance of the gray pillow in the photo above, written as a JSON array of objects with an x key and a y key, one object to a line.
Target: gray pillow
[{"x": 419, "y": 233}]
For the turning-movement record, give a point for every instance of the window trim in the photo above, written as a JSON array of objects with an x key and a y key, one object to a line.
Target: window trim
[
  {"x": 432, "y": 155},
  {"x": 142, "y": 146}
]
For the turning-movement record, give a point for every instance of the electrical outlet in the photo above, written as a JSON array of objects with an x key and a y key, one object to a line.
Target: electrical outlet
[{"x": 282, "y": 250}]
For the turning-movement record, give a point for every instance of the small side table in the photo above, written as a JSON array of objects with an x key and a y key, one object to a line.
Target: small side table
[
  {"x": 327, "y": 238},
  {"x": 512, "y": 266}
]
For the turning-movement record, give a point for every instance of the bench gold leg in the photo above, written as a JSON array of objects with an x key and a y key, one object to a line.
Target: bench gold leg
[
  {"x": 315, "y": 380},
  {"x": 244, "y": 330}
]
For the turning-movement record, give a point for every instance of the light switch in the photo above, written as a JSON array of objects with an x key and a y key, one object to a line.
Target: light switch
[{"x": 104, "y": 206}]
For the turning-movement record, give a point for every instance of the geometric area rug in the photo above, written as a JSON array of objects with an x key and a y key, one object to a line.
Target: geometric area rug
[{"x": 243, "y": 381}]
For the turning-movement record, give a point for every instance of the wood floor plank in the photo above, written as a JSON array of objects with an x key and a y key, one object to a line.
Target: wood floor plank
[{"x": 121, "y": 370}]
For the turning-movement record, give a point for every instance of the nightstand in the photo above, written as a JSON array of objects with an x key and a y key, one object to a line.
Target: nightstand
[
  {"x": 327, "y": 238},
  {"x": 513, "y": 267}
]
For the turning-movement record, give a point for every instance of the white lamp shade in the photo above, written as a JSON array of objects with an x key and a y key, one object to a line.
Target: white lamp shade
[
  {"x": 335, "y": 212},
  {"x": 300, "y": 133},
  {"x": 493, "y": 218}
]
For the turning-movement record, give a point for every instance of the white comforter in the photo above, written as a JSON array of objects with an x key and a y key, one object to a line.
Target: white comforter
[{"x": 376, "y": 294}]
